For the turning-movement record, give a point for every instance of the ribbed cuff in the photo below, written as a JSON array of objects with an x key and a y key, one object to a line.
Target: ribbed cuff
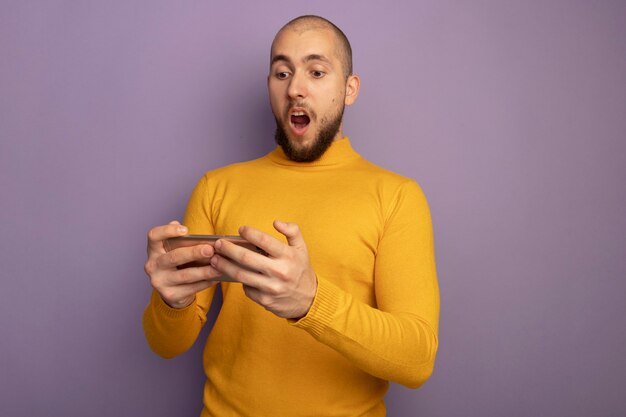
[
  {"x": 162, "y": 308},
  {"x": 322, "y": 310}
]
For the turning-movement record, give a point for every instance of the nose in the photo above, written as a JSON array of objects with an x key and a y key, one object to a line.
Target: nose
[{"x": 297, "y": 86}]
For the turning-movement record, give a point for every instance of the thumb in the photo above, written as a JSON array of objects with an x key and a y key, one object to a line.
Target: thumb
[{"x": 291, "y": 232}]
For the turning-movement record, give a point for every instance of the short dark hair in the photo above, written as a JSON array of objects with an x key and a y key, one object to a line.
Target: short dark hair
[{"x": 308, "y": 22}]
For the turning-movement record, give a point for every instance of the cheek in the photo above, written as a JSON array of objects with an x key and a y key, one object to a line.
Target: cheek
[{"x": 274, "y": 91}]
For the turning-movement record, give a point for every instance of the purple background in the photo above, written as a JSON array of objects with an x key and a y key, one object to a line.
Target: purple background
[{"x": 511, "y": 115}]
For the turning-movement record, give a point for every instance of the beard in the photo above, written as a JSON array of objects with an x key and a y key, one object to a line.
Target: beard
[{"x": 329, "y": 126}]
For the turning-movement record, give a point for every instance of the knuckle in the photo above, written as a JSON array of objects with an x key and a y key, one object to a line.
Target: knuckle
[
  {"x": 157, "y": 284},
  {"x": 183, "y": 275},
  {"x": 152, "y": 235},
  {"x": 168, "y": 293},
  {"x": 264, "y": 240},
  {"x": 186, "y": 275},
  {"x": 173, "y": 257},
  {"x": 149, "y": 267},
  {"x": 275, "y": 289},
  {"x": 282, "y": 272},
  {"x": 245, "y": 257},
  {"x": 197, "y": 250},
  {"x": 210, "y": 272},
  {"x": 240, "y": 275},
  {"x": 265, "y": 300}
]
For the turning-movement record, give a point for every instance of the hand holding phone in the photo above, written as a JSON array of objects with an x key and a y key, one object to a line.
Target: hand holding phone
[
  {"x": 177, "y": 288},
  {"x": 192, "y": 240}
]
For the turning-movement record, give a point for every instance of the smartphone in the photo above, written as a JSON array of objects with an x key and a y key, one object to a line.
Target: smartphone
[{"x": 193, "y": 240}]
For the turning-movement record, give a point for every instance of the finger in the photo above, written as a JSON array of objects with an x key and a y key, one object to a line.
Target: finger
[
  {"x": 272, "y": 246},
  {"x": 194, "y": 275},
  {"x": 242, "y": 256},
  {"x": 195, "y": 287},
  {"x": 252, "y": 293},
  {"x": 291, "y": 232},
  {"x": 235, "y": 273},
  {"x": 173, "y": 285},
  {"x": 158, "y": 234},
  {"x": 183, "y": 295},
  {"x": 182, "y": 256}
]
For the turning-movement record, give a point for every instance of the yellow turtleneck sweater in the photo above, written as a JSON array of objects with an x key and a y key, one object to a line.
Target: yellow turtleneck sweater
[{"x": 375, "y": 315}]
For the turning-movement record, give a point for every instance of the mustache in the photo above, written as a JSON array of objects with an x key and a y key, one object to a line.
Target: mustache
[{"x": 300, "y": 104}]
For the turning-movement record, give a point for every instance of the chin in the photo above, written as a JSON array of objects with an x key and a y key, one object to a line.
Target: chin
[
  {"x": 301, "y": 142},
  {"x": 310, "y": 146}
]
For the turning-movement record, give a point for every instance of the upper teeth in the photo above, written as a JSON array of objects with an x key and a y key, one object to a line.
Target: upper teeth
[{"x": 298, "y": 113}]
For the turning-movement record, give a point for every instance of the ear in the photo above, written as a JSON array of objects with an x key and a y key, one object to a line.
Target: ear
[{"x": 353, "y": 84}]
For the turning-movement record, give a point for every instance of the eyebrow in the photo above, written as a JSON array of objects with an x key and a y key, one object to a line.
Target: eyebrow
[{"x": 311, "y": 57}]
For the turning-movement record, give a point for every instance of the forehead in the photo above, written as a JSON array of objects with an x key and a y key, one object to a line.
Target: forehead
[{"x": 297, "y": 45}]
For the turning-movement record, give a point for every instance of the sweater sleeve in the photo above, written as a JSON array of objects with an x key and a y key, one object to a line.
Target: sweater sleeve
[
  {"x": 171, "y": 331},
  {"x": 397, "y": 339}
]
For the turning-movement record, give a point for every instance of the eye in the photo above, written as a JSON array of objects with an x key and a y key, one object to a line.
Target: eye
[
  {"x": 317, "y": 74},
  {"x": 283, "y": 75}
]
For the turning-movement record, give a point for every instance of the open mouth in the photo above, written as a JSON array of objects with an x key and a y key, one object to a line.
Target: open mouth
[{"x": 299, "y": 121}]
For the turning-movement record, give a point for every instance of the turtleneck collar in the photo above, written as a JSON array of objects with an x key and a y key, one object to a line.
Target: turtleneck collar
[{"x": 339, "y": 152}]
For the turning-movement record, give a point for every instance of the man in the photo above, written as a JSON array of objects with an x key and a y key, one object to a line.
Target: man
[{"x": 346, "y": 298}]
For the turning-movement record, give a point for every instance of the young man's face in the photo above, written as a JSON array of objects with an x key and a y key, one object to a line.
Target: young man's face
[{"x": 308, "y": 91}]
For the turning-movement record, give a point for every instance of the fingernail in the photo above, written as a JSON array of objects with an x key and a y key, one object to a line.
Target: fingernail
[
  {"x": 182, "y": 229},
  {"x": 218, "y": 244}
]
